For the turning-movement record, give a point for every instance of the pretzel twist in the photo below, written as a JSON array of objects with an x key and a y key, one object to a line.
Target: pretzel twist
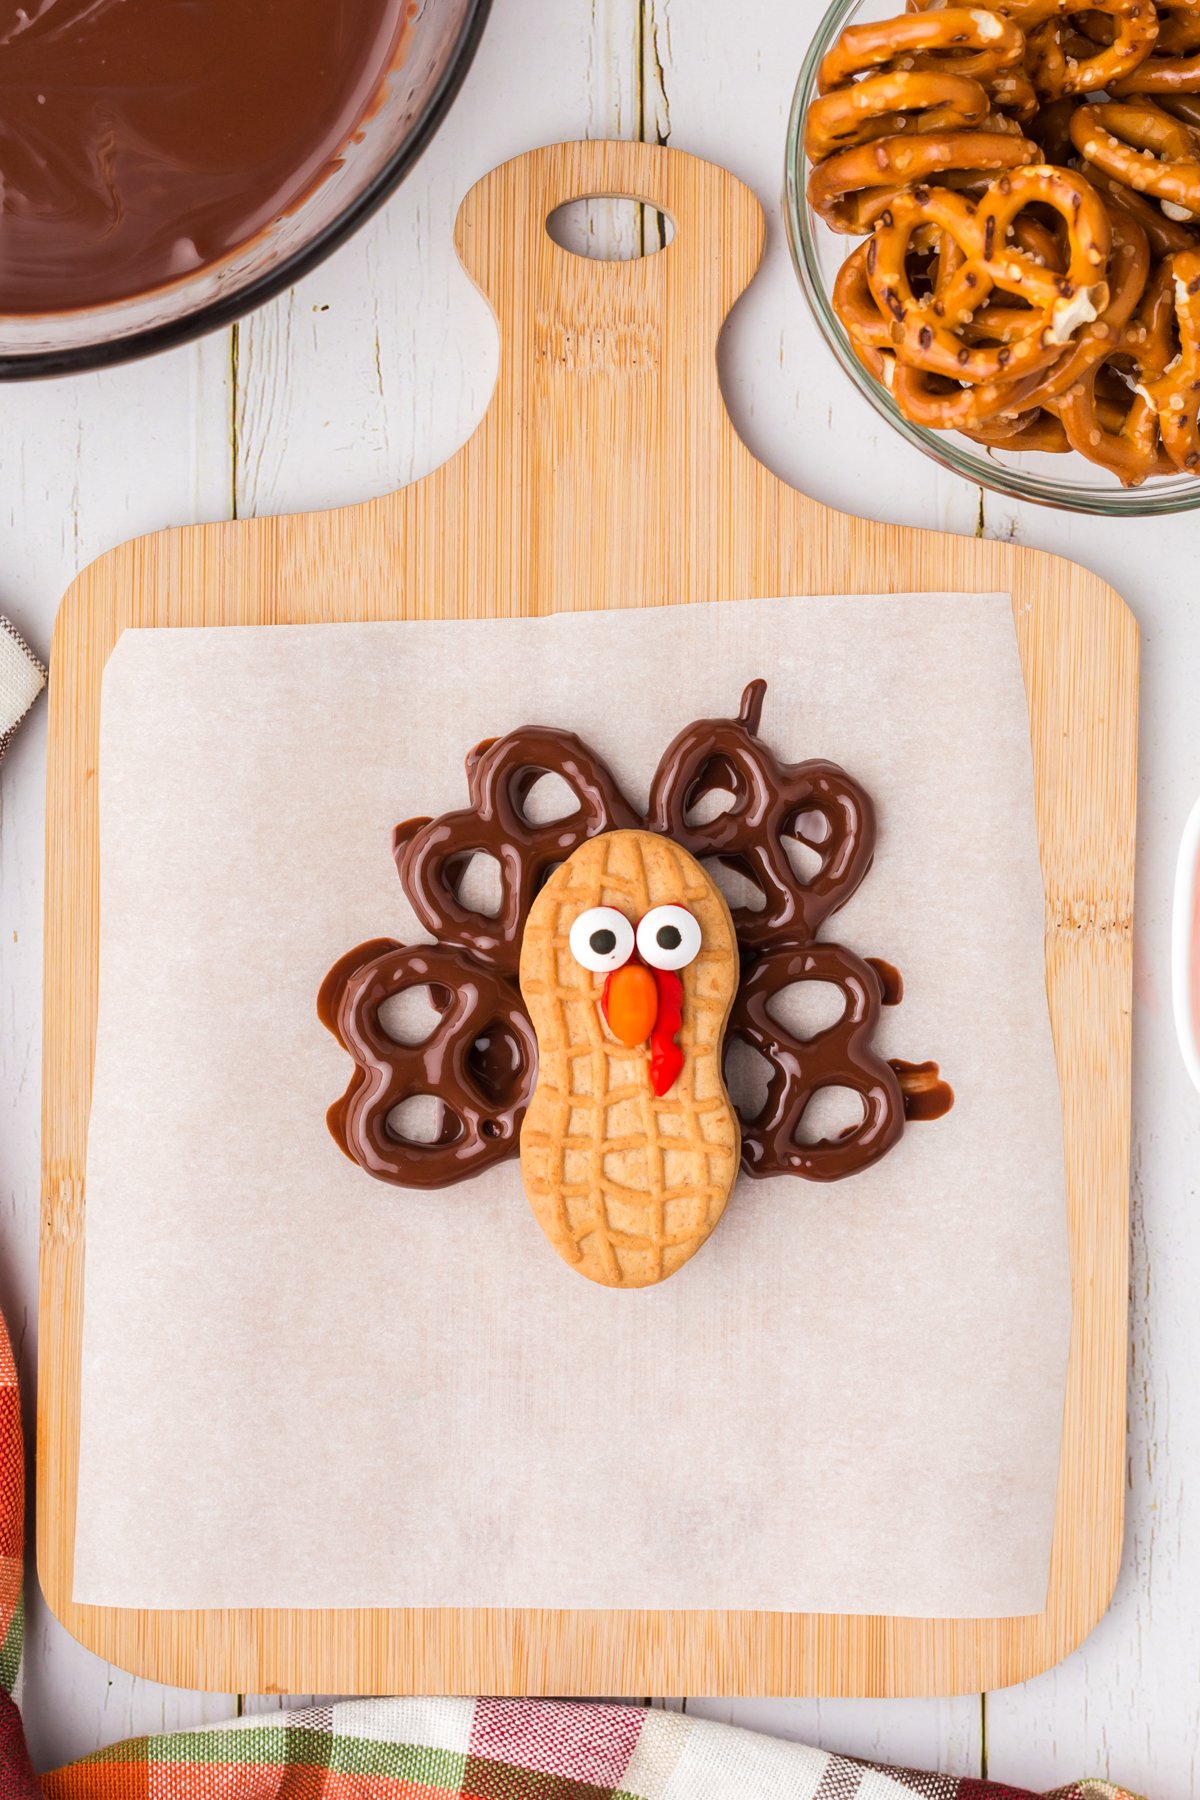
[
  {"x": 1062, "y": 61},
  {"x": 971, "y": 39},
  {"x": 930, "y": 401},
  {"x": 1175, "y": 394},
  {"x": 854, "y": 186},
  {"x": 1143, "y": 148},
  {"x": 483, "y": 1094},
  {"x": 1166, "y": 236},
  {"x": 928, "y": 331},
  {"x": 1100, "y": 398},
  {"x": 1129, "y": 275},
  {"x": 1035, "y": 430},
  {"x": 1076, "y": 324},
  {"x": 886, "y": 103},
  {"x": 770, "y": 1140}
]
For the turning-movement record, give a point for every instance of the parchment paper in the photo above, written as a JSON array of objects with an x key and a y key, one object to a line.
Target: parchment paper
[{"x": 304, "y": 1388}]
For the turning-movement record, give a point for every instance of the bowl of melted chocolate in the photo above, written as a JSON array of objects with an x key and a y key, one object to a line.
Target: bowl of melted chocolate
[{"x": 165, "y": 165}]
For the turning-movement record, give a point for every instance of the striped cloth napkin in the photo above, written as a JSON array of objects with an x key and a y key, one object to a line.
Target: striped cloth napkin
[{"x": 22, "y": 679}]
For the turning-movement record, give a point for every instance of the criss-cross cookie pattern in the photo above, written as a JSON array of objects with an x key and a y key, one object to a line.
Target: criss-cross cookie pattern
[{"x": 625, "y": 1184}]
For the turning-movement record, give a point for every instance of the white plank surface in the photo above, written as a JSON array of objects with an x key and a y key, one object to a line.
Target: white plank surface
[{"x": 370, "y": 373}]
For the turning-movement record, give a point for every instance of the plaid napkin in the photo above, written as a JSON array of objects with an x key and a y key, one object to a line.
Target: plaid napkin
[
  {"x": 497, "y": 1750},
  {"x": 22, "y": 679}
]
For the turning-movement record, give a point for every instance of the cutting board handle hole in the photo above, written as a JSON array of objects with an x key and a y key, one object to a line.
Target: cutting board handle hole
[{"x": 610, "y": 228}]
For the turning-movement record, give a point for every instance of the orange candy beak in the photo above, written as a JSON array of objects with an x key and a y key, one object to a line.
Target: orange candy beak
[
  {"x": 640, "y": 1004},
  {"x": 630, "y": 1003}
]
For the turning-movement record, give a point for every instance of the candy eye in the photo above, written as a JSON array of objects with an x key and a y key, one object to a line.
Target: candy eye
[
  {"x": 602, "y": 939},
  {"x": 668, "y": 937}
]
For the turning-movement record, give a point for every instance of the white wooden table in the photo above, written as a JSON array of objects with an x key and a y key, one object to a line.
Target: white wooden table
[{"x": 369, "y": 374}]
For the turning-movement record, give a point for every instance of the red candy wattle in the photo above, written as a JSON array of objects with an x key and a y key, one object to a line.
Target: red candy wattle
[{"x": 666, "y": 1058}]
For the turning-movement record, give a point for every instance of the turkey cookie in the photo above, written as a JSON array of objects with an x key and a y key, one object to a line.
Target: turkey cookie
[
  {"x": 581, "y": 1022},
  {"x": 630, "y": 1147}
]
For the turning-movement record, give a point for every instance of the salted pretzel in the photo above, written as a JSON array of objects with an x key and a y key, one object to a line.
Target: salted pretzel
[
  {"x": 1106, "y": 410},
  {"x": 1033, "y": 307},
  {"x": 1061, "y": 60},
  {"x": 1174, "y": 65},
  {"x": 1129, "y": 274},
  {"x": 944, "y": 403},
  {"x": 931, "y": 401},
  {"x": 1177, "y": 73},
  {"x": 1165, "y": 236},
  {"x": 851, "y": 188},
  {"x": 1144, "y": 148},
  {"x": 483, "y": 1092},
  {"x": 1178, "y": 32},
  {"x": 1012, "y": 92},
  {"x": 771, "y": 1143},
  {"x": 965, "y": 40},
  {"x": 928, "y": 332},
  {"x": 1035, "y": 430},
  {"x": 884, "y": 104},
  {"x": 1175, "y": 394},
  {"x": 1182, "y": 106}
]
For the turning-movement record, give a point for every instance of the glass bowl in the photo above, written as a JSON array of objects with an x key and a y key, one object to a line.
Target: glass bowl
[
  {"x": 441, "y": 40},
  {"x": 1068, "y": 480}
]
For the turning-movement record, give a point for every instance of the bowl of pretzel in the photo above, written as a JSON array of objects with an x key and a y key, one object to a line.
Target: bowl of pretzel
[{"x": 994, "y": 211}]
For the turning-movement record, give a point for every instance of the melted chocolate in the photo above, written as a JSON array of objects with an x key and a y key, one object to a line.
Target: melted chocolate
[
  {"x": 141, "y": 140},
  {"x": 480, "y": 1059},
  {"x": 890, "y": 979},
  {"x": 926, "y": 1095}
]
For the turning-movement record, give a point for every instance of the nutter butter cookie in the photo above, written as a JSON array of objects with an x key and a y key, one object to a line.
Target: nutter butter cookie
[
  {"x": 586, "y": 1022},
  {"x": 630, "y": 1146}
]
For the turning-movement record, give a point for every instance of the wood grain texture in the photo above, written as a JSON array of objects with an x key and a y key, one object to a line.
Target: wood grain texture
[{"x": 607, "y": 431}]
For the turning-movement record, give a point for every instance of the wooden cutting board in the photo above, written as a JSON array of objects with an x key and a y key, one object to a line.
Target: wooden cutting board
[{"x": 607, "y": 473}]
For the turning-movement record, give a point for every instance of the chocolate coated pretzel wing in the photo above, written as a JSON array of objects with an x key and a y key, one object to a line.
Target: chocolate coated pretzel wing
[
  {"x": 479, "y": 1062},
  {"x": 432, "y": 854},
  {"x": 770, "y": 803},
  {"x": 839, "y": 1056}
]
